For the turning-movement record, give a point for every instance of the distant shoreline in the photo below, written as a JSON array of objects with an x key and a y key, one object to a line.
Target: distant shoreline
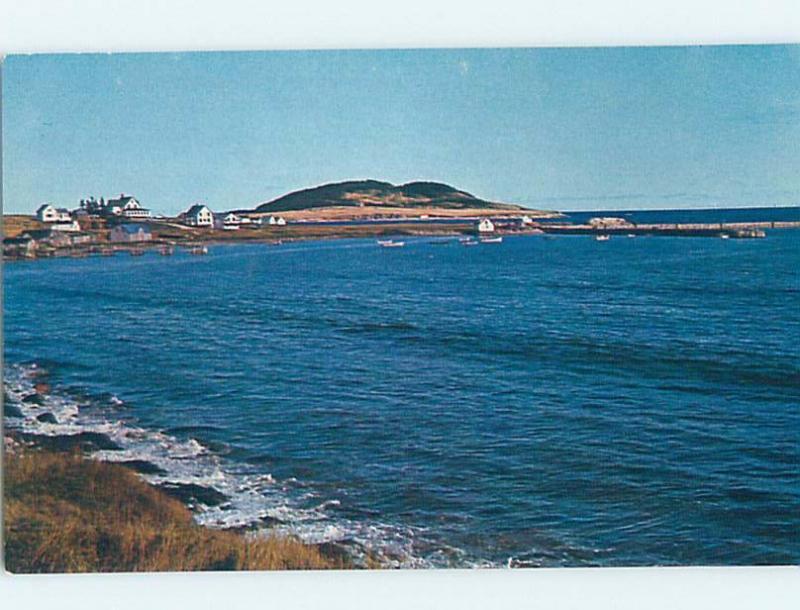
[{"x": 169, "y": 234}]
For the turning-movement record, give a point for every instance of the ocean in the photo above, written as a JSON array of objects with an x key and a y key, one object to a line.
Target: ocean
[{"x": 539, "y": 402}]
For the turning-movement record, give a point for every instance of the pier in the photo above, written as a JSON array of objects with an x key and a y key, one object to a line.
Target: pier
[{"x": 733, "y": 229}]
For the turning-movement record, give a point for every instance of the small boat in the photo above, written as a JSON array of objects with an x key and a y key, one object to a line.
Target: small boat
[
  {"x": 602, "y": 237},
  {"x": 469, "y": 242},
  {"x": 465, "y": 239},
  {"x": 492, "y": 240},
  {"x": 136, "y": 252},
  {"x": 390, "y": 243},
  {"x": 198, "y": 250},
  {"x": 631, "y": 234},
  {"x": 724, "y": 236},
  {"x": 166, "y": 251}
]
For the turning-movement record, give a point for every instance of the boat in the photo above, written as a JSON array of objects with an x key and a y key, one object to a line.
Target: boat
[
  {"x": 166, "y": 250},
  {"x": 631, "y": 234},
  {"x": 390, "y": 243},
  {"x": 136, "y": 252},
  {"x": 602, "y": 237},
  {"x": 469, "y": 242},
  {"x": 198, "y": 250},
  {"x": 492, "y": 240},
  {"x": 724, "y": 236}
]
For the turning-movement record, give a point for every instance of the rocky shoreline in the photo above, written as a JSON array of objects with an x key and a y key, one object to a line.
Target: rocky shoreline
[{"x": 64, "y": 449}]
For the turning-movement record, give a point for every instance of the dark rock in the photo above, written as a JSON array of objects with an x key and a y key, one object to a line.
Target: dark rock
[
  {"x": 142, "y": 467},
  {"x": 334, "y": 551},
  {"x": 47, "y": 418},
  {"x": 270, "y": 521},
  {"x": 33, "y": 399},
  {"x": 10, "y": 410},
  {"x": 191, "y": 494},
  {"x": 85, "y": 441}
]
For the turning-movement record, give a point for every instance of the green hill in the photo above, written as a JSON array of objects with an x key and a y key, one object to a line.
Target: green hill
[{"x": 361, "y": 193}]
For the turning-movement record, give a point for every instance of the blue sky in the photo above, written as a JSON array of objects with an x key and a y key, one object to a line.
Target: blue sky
[{"x": 569, "y": 129}]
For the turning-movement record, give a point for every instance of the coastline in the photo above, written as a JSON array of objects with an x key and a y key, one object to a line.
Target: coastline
[
  {"x": 69, "y": 510},
  {"x": 166, "y": 235}
]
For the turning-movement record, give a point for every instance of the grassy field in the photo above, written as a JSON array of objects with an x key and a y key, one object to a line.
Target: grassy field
[{"x": 64, "y": 513}]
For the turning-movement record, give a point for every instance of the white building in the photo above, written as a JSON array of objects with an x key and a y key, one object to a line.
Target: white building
[
  {"x": 279, "y": 221},
  {"x": 231, "y": 222},
  {"x": 49, "y": 213},
  {"x": 127, "y": 206},
  {"x": 485, "y": 226},
  {"x": 525, "y": 221},
  {"x": 198, "y": 216}
]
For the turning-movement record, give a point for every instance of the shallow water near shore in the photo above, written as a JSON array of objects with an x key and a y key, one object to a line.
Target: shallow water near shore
[{"x": 539, "y": 402}]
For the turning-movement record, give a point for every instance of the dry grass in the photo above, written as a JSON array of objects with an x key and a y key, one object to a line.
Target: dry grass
[
  {"x": 15, "y": 224},
  {"x": 67, "y": 514}
]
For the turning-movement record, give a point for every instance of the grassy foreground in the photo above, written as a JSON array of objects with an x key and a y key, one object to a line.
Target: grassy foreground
[{"x": 64, "y": 513}]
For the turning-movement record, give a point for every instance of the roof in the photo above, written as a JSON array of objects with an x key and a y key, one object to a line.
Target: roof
[
  {"x": 195, "y": 209},
  {"x": 131, "y": 228},
  {"x": 43, "y": 206}
]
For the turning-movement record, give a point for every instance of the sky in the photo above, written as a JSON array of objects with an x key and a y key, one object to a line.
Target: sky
[{"x": 566, "y": 129}]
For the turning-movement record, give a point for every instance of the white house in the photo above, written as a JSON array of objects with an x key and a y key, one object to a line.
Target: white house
[
  {"x": 127, "y": 206},
  {"x": 198, "y": 216},
  {"x": 485, "y": 226},
  {"x": 130, "y": 233},
  {"x": 229, "y": 222},
  {"x": 279, "y": 221},
  {"x": 49, "y": 213},
  {"x": 525, "y": 221}
]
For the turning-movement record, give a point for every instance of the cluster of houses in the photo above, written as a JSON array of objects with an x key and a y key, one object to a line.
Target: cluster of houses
[
  {"x": 126, "y": 218},
  {"x": 200, "y": 215}
]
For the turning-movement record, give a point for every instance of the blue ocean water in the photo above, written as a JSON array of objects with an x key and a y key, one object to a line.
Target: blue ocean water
[{"x": 544, "y": 401}]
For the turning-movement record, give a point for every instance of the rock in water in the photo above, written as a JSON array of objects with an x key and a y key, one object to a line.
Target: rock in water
[
  {"x": 86, "y": 441},
  {"x": 142, "y": 466},
  {"x": 191, "y": 494},
  {"x": 33, "y": 399},
  {"x": 47, "y": 418}
]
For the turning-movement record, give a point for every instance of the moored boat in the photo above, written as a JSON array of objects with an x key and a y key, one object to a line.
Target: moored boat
[
  {"x": 602, "y": 237},
  {"x": 390, "y": 243},
  {"x": 492, "y": 240}
]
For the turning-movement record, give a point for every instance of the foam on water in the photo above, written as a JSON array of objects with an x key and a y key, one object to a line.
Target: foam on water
[{"x": 256, "y": 501}]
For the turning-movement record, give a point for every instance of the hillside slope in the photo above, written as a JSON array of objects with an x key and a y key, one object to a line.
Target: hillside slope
[{"x": 362, "y": 193}]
